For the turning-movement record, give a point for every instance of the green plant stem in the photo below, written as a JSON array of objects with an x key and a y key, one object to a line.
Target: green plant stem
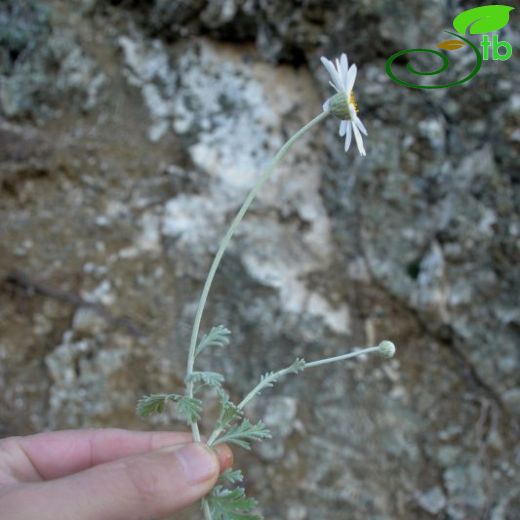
[
  {"x": 206, "y": 510},
  {"x": 266, "y": 173},
  {"x": 271, "y": 378},
  {"x": 354, "y": 354}
]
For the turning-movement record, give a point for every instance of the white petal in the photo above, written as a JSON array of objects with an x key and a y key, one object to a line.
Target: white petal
[
  {"x": 333, "y": 72},
  {"x": 329, "y": 66},
  {"x": 352, "y": 73},
  {"x": 325, "y": 62},
  {"x": 352, "y": 111},
  {"x": 333, "y": 86},
  {"x": 343, "y": 128},
  {"x": 360, "y": 125},
  {"x": 340, "y": 74},
  {"x": 359, "y": 140},
  {"x": 348, "y": 139},
  {"x": 344, "y": 69}
]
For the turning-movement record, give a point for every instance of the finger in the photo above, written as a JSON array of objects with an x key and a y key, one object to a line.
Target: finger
[
  {"x": 224, "y": 455},
  {"x": 151, "y": 485},
  {"x": 57, "y": 454}
]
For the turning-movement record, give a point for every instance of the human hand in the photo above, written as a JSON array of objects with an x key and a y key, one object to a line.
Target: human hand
[{"x": 104, "y": 474}]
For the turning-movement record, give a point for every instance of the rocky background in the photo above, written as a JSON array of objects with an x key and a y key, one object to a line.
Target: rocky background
[{"x": 130, "y": 132}]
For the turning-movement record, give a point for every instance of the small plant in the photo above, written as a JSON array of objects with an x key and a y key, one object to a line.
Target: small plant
[{"x": 228, "y": 500}]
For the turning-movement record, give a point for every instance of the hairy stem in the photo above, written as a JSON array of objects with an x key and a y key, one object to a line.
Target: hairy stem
[
  {"x": 342, "y": 357},
  {"x": 273, "y": 377},
  {"x": 266, "y": 173}
]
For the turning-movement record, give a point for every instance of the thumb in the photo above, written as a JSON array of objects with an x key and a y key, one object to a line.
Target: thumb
[{"x": 154, "y": 485}]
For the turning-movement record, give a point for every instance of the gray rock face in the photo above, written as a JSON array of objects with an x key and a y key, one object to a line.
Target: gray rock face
[{"x": 129, "y": 136}]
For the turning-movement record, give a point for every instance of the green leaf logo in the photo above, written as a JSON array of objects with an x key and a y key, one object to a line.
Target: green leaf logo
[{"x": 483, "y": 19}]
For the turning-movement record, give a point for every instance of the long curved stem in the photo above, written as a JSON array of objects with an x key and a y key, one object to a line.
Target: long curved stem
[{"x": 267, "y": 172}]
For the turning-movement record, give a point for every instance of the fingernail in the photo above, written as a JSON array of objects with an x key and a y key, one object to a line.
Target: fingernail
[
  {"x": 199, "y": 463},
  {"x": 225, "y": 456}
]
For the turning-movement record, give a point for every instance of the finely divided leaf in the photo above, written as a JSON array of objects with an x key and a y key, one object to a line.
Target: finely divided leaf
[
  {"x": 217, "y": 337},
  {"x": 154, "y": 403},
  {"x": 207, "y": 378},
  {"x": 297, "y": 366},
  {"x": 245, "y": 433},
  {"x": 268, "y": 379},
  {"x": 232, "y": 504},
  {"x": 189, "y": 408},
  {"x": 231, "y": 476},
  {"x": 229, "y": 412}
]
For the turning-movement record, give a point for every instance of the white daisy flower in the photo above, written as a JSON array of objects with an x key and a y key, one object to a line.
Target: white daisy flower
[{"x": 343, "y": 104}]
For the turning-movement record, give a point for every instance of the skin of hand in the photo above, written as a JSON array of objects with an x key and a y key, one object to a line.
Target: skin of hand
[{"x": 105, "y": 474}]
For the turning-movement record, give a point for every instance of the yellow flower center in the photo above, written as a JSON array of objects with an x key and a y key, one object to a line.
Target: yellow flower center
[{"x": 352, "y": 101}]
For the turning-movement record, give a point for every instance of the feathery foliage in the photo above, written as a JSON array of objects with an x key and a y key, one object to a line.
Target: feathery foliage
[
  {"x": 244, "y": 433},
  {"x": 229, "y": 412},
  {"x": 207, "y": 378},
  {"x": 217, "y": 337},
  {"x": 154, "y": 403},
  {"x": 231, "y": 476},
  {"x": 189, "y": 408},
  {"x": 268, "y": 379},
  {"x": 232, "y": 504}
]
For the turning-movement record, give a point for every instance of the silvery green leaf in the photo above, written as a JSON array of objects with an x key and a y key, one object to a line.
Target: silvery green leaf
[
  {"x": 154, "y": 403},
  {"x": 229, "y": 412},
  {"x": 268, "y": 379},
  {"x": 217, "y": 337},
  {"x": 231, "y": 476},
  {"x": 244, "y": 433},
  {"x": 298, "y": 366},
  {"x": 189, "y": 408},
  {"x": 232, "y": 504},
  {"x": 207, "y": 378}
]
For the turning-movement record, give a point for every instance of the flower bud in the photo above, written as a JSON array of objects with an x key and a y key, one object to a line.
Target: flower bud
[{"x": 386, "y": 348}]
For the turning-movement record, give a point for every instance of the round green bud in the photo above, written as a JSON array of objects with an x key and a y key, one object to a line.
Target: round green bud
[{"x": 386, "y": 348}]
